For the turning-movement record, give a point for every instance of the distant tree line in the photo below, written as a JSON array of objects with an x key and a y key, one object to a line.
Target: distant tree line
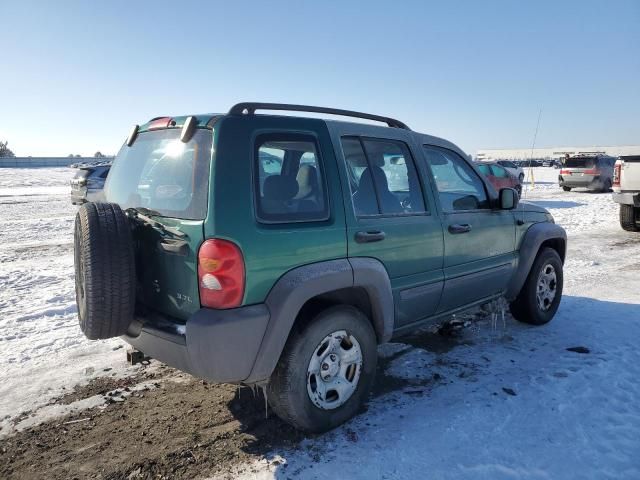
[{"x": 5, "y": 151}]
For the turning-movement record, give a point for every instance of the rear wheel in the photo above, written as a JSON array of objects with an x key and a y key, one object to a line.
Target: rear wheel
[
  {"x": 629, "y": 216},
  {"x": 326, "y": 370},
  {"x": 540, "y": 296},
  {"x": 105, "y": 271},
  {"x": 521, "y": 177},
  {"x": 566, "y": 189}
]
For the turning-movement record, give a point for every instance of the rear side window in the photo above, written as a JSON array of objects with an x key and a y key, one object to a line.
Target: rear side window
[
  {"x": 289, "y": 186},
  {"x": 382, "y": 177},
  {"x": 484, "y": 169},
  {"x": 459, "y": 186},
  {"x": 161, "y": 173},
  {"x": 499, "y": 172}
]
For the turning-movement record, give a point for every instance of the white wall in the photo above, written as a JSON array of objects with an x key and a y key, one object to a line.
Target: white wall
[
  {"x": 555, "y": 152},
  {"x": 46, "y": 161}
]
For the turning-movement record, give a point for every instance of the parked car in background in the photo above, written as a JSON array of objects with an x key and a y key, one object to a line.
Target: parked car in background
[
  {"x": 626, "y": 191},
  {"x": 591, "y": 171},
  {"x": 88, "y": 182},
  {"x": 550, "y": 162},
  {"x": 516, "y": 170},
  {"x": 499, "y": 176}
]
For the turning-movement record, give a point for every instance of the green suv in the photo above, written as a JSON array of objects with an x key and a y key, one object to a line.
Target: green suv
[{"x": 279, "y": 251}]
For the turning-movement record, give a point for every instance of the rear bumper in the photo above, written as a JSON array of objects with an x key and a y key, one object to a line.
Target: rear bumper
[
  {"x": 217, "y": 345},
  {"x": 581, "y": 181},
  {"x": 627, "y": 198}
]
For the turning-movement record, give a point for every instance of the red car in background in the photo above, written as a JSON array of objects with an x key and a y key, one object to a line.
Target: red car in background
[{"x": 499, "y": 176}]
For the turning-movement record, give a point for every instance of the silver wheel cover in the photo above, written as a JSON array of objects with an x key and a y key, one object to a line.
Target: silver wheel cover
[
  {"x": 546, "y": 288},
  {"x": 334, "y": 370}
]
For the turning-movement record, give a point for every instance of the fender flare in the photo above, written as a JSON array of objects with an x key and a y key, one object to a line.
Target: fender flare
[
  {"x": 297, "y": 286},
  {"x": 534, "y": 237}
]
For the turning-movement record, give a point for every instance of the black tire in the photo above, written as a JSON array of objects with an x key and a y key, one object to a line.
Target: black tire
[
  {"x": 521, "y": 177},
  {"x": 105, "y": 270},
  {"x": 518, "y": 189},
  {"x": 607, "y": 186},
  {"x": 628, "y": 216},
  {"x": 287, "y": 390},
  {"x": 525, "y": 307},
  {"x": 566, "y": 189}
]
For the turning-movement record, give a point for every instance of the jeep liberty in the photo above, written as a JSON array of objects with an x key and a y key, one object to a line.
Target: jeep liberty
[{"x": 279, "y": 251}]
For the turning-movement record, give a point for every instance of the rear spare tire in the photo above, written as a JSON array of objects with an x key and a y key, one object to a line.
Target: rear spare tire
[{"x": 105, "y": 270}]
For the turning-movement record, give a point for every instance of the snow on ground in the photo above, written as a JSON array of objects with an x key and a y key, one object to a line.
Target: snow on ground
[
  {"x": 508, "y": 402},
  {"x": 573, "y": 415},
  {"x": 42, "y": 350}
]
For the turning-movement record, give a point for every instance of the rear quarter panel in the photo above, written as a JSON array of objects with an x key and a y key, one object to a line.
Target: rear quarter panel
[{"x": 269, "y": 250}]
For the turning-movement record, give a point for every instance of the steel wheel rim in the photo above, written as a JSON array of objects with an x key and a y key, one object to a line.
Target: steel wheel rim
[
  {"x": 546, "y": 289},
  {"x": 334, "y": 370}
]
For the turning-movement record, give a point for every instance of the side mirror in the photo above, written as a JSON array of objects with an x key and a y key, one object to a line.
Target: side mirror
[{"x": 508, "y": 198}]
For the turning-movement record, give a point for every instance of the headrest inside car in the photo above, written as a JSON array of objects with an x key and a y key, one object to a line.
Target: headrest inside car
[{"x": 280, "y": 187}]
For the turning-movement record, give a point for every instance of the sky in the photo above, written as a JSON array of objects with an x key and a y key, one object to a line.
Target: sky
[{"x": 75, "y": 76}]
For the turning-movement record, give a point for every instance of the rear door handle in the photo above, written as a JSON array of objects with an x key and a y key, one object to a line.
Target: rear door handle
[
  {"x": 459, "y": 228},
  {"x": 370, "y": 236}
]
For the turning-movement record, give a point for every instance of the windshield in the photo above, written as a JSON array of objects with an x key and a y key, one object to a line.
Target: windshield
[
  {"x": 580, "y": 162},
  {"x": 162, "y": 174}
]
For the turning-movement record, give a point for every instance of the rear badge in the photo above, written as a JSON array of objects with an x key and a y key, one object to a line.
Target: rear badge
[{"x": 183, "y": 298}]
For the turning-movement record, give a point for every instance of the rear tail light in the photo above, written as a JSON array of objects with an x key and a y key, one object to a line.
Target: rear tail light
[
  {"x": 616, "y": 174},
  {"x": 220, "y": 274},
  {"x": 592, "y": 171},
  {"x": 564, "y": 172}
]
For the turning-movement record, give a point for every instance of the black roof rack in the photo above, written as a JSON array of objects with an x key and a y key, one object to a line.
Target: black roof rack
[{"x": 251, "y": 107}]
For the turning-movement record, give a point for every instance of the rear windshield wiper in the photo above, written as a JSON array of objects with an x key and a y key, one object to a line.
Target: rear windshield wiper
[{"x": 141, "y": 213}]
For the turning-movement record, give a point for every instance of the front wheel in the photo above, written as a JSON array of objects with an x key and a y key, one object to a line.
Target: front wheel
[
  {"x": 566, "y": 189},
  {"x": 538, "y": 301},
  {"x": 326, "y": 370}
]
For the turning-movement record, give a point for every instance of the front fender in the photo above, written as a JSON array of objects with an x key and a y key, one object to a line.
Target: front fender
[{"x": 532, "y": 240}]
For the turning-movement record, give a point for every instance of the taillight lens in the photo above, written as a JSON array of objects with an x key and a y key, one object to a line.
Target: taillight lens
[
  {"x": 616, "y": 174},
  {"x": 592, "y": 171},
  {"x": 220, "y": 274},
  {"x": 564, "y": 172}
]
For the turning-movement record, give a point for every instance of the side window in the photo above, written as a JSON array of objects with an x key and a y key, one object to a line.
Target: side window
[
  {"x": 484, "y": 169},
  {"x": 288, "y": 185},
  {"x": 459, "y": 186},
  {"x": 499, "y": 172},
  {"x": 382, "y": 177}
]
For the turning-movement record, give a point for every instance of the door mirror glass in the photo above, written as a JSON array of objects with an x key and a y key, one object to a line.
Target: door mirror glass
[{"x": 508, "y": 199}]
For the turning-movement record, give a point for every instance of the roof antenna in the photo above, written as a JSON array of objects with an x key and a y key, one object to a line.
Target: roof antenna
[
  {"x": 529, "y": 176},
  {"x": 533, "y": 146}
]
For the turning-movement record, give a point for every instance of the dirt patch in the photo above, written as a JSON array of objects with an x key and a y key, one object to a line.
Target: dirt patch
[
  {"x": 180, "y": 428},
  {"x": 184, "y": 428}
]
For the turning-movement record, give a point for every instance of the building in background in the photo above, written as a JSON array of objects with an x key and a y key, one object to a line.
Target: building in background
[{"x": 553, "y": 153}]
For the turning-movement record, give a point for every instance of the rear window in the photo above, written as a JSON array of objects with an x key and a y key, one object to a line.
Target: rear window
[
  {"x": 580, "y": 162},
  {"x": 163, "y": 174}
]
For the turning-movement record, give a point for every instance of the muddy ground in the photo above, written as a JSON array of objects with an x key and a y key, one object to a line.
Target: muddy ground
[{"x": 174, "y": 426}]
